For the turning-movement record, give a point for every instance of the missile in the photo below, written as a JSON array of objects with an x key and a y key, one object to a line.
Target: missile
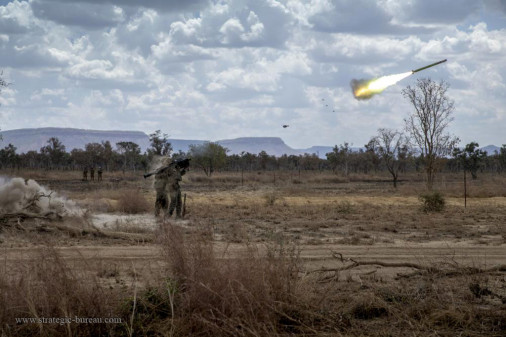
[{"x": 430, "y": 65}]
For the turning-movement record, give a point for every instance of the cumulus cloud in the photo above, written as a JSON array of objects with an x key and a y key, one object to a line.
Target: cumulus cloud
[
  {"x": 433, "y": 11},
  {"x": 90, "y": 16},
  {"x": 214, "y": 66},
  {"x": 162, "y": 5}
]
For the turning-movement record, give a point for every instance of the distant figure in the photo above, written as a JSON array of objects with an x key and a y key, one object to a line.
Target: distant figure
[
  {"x": 85, "y": 173},
  {"x": 99, "y": 173},
  {"x": 92, "y": 173}
]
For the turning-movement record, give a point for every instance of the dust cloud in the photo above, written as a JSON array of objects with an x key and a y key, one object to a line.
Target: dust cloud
[{"x": 18, "y": 195}]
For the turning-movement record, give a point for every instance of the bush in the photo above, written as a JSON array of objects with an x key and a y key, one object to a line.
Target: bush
[
  {"x": 271, "y": 198},
  {"x": 432, "y": 202},
  {"x": 132, "y": 202}
]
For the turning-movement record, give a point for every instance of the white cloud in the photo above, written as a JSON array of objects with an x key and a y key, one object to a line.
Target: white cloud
[{"x": 245, "y": 65}]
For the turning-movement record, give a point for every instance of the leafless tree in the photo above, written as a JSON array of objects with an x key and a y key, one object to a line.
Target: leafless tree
[
  {"x": 393, "y": 149},
  {"x": 429, "y": 121}
]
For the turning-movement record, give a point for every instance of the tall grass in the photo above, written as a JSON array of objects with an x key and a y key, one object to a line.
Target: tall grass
[
  {"x": 48, "y": 287},
  {"x": 229, "y": 296}
]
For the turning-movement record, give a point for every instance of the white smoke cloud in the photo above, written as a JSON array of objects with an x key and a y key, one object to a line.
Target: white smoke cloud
[{"x": 18, "y": 195}]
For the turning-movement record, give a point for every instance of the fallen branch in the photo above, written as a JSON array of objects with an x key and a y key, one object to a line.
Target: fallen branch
[
  {"x": 457, "y": 269},
  {"x": 23, "y": 215}
]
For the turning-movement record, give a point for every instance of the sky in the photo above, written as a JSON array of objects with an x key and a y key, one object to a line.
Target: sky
[{"x": 212, "y": 70}]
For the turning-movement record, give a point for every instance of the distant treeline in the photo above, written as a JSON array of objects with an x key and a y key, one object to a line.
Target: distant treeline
[{"x": 211, "y": 157}]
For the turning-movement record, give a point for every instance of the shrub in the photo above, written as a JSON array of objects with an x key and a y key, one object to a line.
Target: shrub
[
  {"x": 132, "y": 202},
  {"x": 270, "y": 198},
  {"x": 432, "y": 202}
]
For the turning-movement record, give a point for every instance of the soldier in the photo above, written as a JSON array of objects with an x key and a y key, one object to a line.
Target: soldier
[
  {"x": 99, "y": 173},
  {"x": 92, "y": 173},
  {"x": 161, "y": 182},
  {"x": 85, "y": 173},
  {"x": 175, "y": 191}
]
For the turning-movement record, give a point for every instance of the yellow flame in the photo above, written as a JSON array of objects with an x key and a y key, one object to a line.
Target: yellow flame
[{"x": 367, "y": 89}]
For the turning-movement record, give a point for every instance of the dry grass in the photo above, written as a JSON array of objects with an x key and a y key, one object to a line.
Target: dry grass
[
  {"x": 254, "y": 292},
  {"x": 49, "y": 287},
  {"x": 132, "y": 202},
  {"x": 201, "y": 291}
]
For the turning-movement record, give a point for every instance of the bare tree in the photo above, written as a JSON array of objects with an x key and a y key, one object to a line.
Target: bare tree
[
  {"x": 429, "y": 122},
  {"x": 393, "y": 149}
]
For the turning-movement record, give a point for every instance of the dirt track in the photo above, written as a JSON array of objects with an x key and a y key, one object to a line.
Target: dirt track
[{"x": 314, "y": 257}]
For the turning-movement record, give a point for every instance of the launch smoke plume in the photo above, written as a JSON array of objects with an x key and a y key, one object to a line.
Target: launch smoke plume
[
  {"x": 365, "y": 89},
  {"x": 18, "y": 195}
]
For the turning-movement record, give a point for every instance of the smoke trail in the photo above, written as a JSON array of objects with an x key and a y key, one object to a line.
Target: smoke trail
[
  {"x": 18, "y": 195},
  {"x": 365, "y": 89}
]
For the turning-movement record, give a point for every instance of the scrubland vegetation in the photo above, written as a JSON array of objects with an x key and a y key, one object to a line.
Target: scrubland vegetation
[{"x": 264, "y": 253}]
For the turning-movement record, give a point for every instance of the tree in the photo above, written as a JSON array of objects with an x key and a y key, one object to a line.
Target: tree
[
  {"x": 94, "y": 153},
  {"x": 208, "y": 156},
  {"x": 107, "y": 154},
  {"x": 393, "y": 149},
  {"x": 247, "y": 160},
  {"x": 471, "y": 158},
  {"x": 130, "y": 152},
  {"x": 428, "y": 123},
  {"x": 340, "y": 156},
  {"x": 501, "y": 156},
  {"x": 8, "y": 156},
  {"x": 54, "y": 153},
  {"x": 160, "y": 144}
]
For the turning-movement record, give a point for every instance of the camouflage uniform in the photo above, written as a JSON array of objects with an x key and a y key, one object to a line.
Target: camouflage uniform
[
  {"x": 168, "y": 181},
  {"x": 175, "y": 191},
  {"x": 92, "y": 173},
  {"x": 85, "y": 173},
  {"x": 161, "y": 181}
]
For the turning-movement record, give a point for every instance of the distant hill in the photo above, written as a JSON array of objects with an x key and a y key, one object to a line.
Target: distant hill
[
  {"x": 491, "y": 149},
  {"x": 272, "y": 145},
  {"x": 33, "y": 139}
]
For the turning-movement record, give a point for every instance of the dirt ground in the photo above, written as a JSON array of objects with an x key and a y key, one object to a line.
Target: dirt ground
[
  {"x": 351, "y": 230},
  {"x": 360, "y": 220}
]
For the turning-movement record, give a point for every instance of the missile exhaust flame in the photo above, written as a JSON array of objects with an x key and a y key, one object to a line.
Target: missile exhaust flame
[{"x": 365, "y": 89}]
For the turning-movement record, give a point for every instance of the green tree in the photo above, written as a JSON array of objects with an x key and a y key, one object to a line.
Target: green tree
[
  {"x": 501, "y": 156},
  {"x": 429, "y": 121},
  {"x": 8, "y": 156},
  {"x": 130, "y": 152},
  {"x": 208, "y": 156},
  {"x": 94, "y": 154},
  {"x": 248, "y": 159},
  {"x": 471, "y": 158},
  {"x": 54, "y": 153},
  {"x": 340, "y": 157}
]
